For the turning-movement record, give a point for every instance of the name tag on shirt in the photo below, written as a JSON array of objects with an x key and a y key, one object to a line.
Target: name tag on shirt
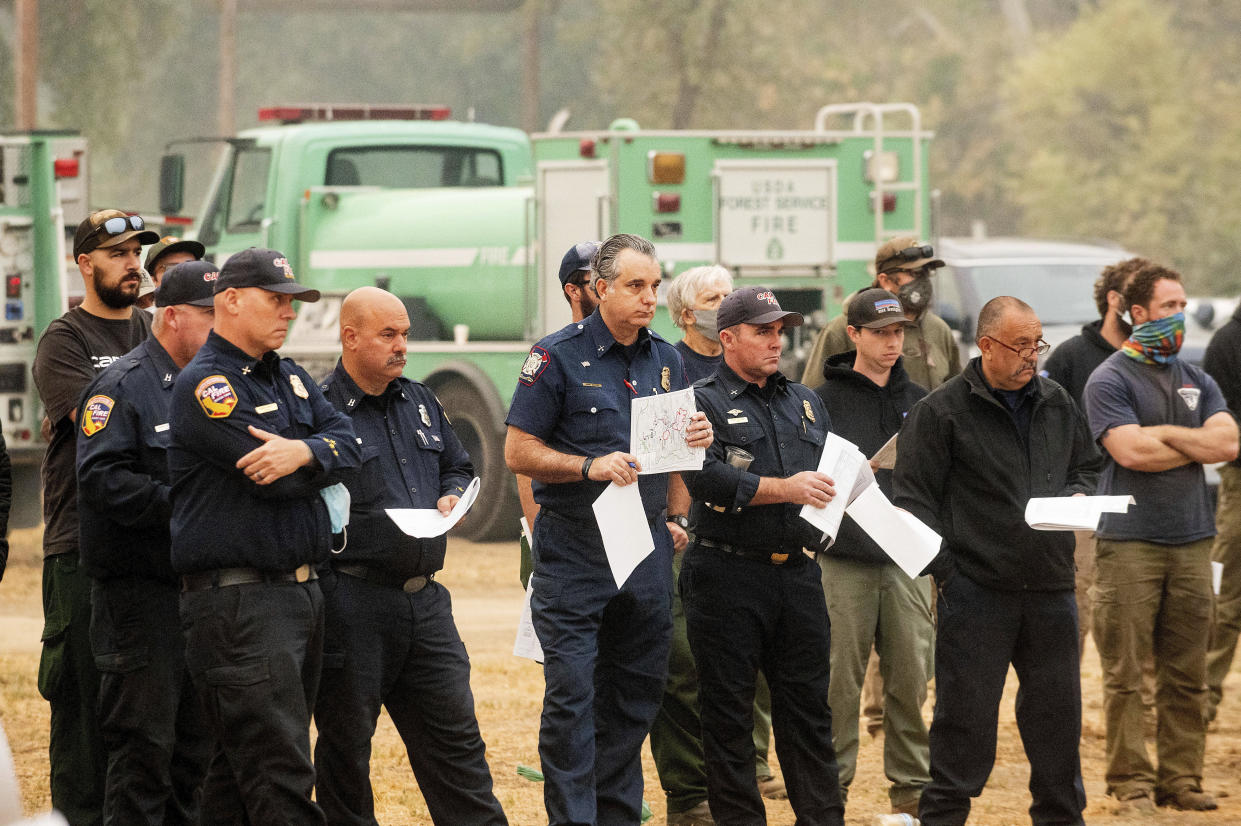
[
  {"x": 266, "y": 408},
  {"x": 738, "y": 420},
  {"x": 160, "y": 428}
]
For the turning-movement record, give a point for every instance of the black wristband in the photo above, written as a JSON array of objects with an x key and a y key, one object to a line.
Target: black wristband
[{"x": 586, "y": 467}]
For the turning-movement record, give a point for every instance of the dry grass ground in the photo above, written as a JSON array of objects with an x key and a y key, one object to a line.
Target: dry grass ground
[{"x": 508, "y": 693}]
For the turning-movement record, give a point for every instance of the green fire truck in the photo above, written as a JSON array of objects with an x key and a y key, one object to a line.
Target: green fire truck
[{"x": 467, "y": 224}]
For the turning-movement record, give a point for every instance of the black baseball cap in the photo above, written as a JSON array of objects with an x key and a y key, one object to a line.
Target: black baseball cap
[
  {"x": 190, "y": 282},
  {"x": 169, "y": 244},
  {"x": 875, "y": 308},
  {"x": 263, "y": 268},
  {"x": 92, "y": 235},
  {"x": 753, "y": 305},
  {"x": 577, "y": 258}
]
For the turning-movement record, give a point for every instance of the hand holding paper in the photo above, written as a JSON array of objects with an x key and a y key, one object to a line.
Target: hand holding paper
[{"x": 425, "y": 523}]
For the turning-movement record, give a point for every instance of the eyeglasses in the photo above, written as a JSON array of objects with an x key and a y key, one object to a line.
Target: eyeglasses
[
  {"x": 1025, "y": 352},
  {"x": 121, "y": 223},
  {"x": 909, "y": 254}
]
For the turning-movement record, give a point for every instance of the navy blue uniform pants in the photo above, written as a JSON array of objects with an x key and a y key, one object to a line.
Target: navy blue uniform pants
[
  {"x": 254, "y": 652},
  {"x": 605, "y": 656},
  {"x": 402, "y": 651},
  {"x": 743, "y": 615},
  {"x": 151, "y": 717},
  {"x": 981, "y": 631}
]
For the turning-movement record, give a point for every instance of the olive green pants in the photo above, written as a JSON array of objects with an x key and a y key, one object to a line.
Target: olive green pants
[
  {"x": 1151, "y": 598},
  {"x": 1227, "y": 551}
]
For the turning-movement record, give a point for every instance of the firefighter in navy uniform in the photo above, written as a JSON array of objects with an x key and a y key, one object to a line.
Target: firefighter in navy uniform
[
  {"x": 605, "y": 648},
  {"x": 391, "y": 639},
  {"x": 151, "y": 718},
  {"x": 753, "y": 598},
  {"x": 255, "y": 452}
]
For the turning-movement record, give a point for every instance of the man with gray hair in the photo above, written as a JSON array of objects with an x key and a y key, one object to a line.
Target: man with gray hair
[
  {"x": 605, "y": 646},
  {"x": 972, "y": 454}
]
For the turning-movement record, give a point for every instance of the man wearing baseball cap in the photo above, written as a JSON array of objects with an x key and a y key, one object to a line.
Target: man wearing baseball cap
[
  {"x": 904, "y": 267},
  {"x": 255, "y": 455},
  {"x": 870, "y": 600},
  {"x": 73, "y": 350},
  {"x": 748, "y": 555},
  {"x": 575, "y": 279},
  {"x": 162, "y": 256},
  {"x": 152, "y": 721}
]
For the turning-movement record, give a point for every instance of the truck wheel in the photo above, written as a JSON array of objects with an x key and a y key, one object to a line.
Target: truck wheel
[{"x": 496, "y": 513}]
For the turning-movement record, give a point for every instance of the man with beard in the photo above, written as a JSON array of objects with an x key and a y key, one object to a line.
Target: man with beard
[
  {"x": 1159, "y": 420},
  {"x": 73, "y": 350}
]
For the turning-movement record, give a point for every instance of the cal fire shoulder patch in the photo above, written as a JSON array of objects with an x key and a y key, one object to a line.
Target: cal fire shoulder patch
[
  {"x": 536, "y": 362},
  {"x": 95, "y": 414},
  {"x": 216, "y": 396}
]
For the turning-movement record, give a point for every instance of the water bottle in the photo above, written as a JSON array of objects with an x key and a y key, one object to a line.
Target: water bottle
[
  {"x": 895, "y": 820},
  {"x": 739, "y": 459}
]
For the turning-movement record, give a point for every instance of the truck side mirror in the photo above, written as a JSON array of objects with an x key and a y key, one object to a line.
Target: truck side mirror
[{"x": 171, "y": 184}]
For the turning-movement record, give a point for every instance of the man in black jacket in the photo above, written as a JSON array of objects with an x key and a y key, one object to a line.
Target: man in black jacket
[
  {"x": 972, "y": 455},
  {"x": 870, "y": 600},
  {"x": 1223, "y": 363}
]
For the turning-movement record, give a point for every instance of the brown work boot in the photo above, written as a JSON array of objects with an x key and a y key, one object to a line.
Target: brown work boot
[
  {"x": 1189, "y": 800},
  {"x": 908, "y": 807},
  {"x": 700, "y": 815},
  {"x": 772, "y": 788},
  {"x": 1136, "y": 803}
]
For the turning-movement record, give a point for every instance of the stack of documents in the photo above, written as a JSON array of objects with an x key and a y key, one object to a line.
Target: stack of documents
[{"x": 1073, "y": 513}]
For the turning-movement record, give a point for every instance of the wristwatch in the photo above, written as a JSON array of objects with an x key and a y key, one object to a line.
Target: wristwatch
[{"x": 680, "y": 520}]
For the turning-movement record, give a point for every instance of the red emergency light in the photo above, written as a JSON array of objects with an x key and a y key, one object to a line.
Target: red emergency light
[
  {"x": 586, "y": 147},
  {"x": 66, "y": 167},
  {"x": 667, "y": 201},
  {"x": 298, "y": 113},
  {"x": 13, "y": 286}
]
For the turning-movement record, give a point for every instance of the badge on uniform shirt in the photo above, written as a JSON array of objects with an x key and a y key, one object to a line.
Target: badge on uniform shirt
[
  {"x": 216, "y": 397},
  {"x": 424, "y": 415},
  {"x": 95, "y": 414},
  {"x": 299, "y": 389},
  {"x": 1189, "y": 395},
  {"x": 665, "y": 379},
  {"x": 805, "y": 404},
  {"x": 533, "y": 366}
]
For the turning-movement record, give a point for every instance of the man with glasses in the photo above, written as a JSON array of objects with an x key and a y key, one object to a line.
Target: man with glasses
[
  {"x": 73, "y": 350},
  {"x": 972, "y": 454},
  {"x": 151, "y": 718},
  {"x": 1159, "y": 419}
]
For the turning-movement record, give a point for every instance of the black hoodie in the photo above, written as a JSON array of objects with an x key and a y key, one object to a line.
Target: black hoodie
[
  {"x": 867, "y": 415},
  {"x": 1223, "y": 362},
  {"x": 1072, "y": 362}
]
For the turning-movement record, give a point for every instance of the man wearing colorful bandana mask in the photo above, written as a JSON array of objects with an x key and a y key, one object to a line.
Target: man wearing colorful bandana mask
[{"x": 1159, "y": 419}]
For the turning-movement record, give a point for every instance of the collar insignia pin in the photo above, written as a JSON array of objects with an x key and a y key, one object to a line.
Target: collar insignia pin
[{"x": 805, "y": 403}]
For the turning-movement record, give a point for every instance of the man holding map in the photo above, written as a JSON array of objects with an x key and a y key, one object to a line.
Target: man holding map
[
  {"x": 605, "y": 645},
  {"x": 971, "y": 456},
  {"x": 753, "y": 597}
]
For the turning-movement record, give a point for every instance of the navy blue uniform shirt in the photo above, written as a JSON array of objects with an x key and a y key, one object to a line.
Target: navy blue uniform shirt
[
  {"x": 410, "y": 458},
  {"x": 783, "y": 425},
  {"x": 220, "y": 518},
  {"x": 575, "y": 392},
  {"x": 122, "y": 465}
]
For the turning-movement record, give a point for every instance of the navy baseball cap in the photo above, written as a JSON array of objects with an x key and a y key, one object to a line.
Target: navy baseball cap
[
  {"x": 753, "y": 305},
  {"x": 190, "y": 282},
  {"x": 263, "y": 268},
  {"x": 875, "y": 308},
  {"x": 577, "y": 258}
]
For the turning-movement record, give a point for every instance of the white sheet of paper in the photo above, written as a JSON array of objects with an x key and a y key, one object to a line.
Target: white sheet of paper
[
  {"x": 903, "y": 537},
  {"x": 626, "y": 535},
  {"x": 1073, "y": 513},
  {"x": 425, "y": 523},
  {"x": 657, "y": 432},
  {"x": 527, "y": 642},
  {"x": 842, "y": 461},
  {"x": 886, "y": 455},
  {"x": 1217, "y": 576}
]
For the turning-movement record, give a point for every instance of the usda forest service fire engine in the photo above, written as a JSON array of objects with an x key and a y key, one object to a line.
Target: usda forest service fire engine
[{"x": 467, "y": 224}]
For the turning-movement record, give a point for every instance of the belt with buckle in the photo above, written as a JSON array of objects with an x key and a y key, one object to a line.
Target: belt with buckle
[
  {"x": 228, "y": 577},
  {"x": 410, "y": 585},
  {"x": 772, "y": 558}
]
